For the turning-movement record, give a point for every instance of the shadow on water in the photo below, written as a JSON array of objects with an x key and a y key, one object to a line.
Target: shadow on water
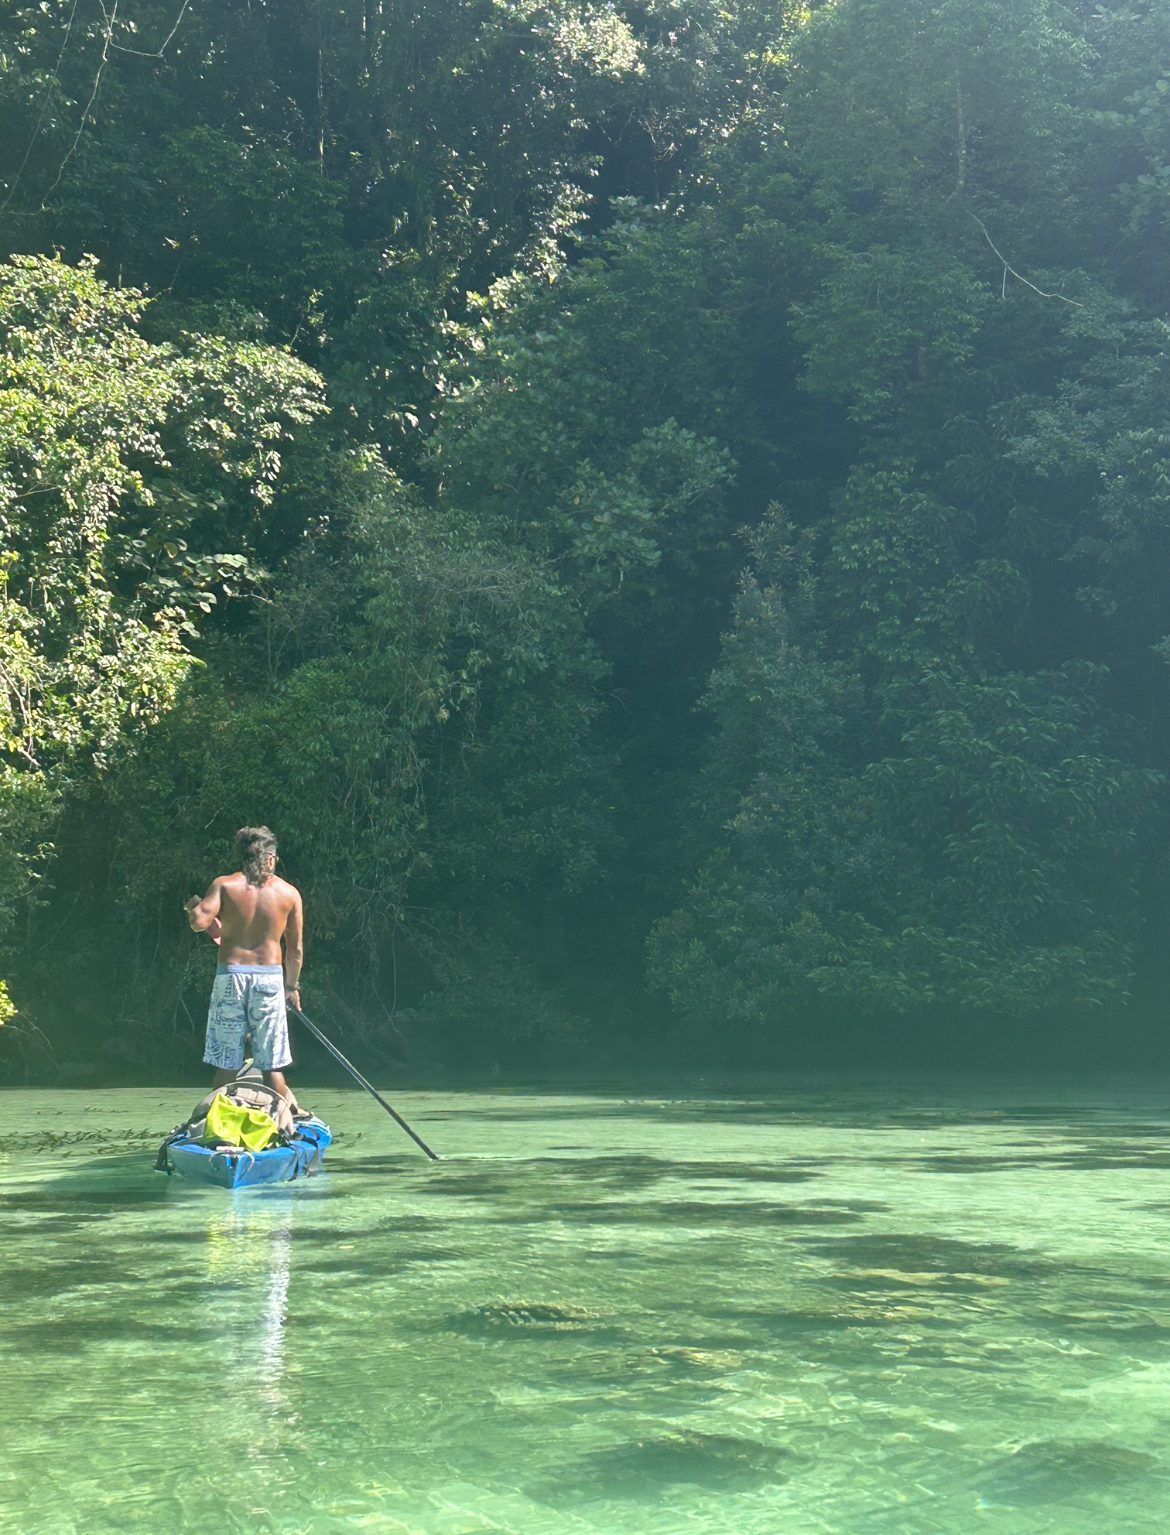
[
  {"x": 52, "y": 1279},
  {"x": 343, "y": 1166},
  {"x": 917, "y": 1253},
  {"x": 72, "y": 1336},
  {"x": 469, "y": 1185},
  {"x": 378, "y": 1264},
  {"x": 636, "y": 1171},
  {"x": 1079, "y": 1159},
  {"x": 921, "y": 1106},
  {"x": 695, "y": 1213}
]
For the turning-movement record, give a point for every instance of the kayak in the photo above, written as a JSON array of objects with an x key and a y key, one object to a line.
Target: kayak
[{"x": 234, "y": 1167}]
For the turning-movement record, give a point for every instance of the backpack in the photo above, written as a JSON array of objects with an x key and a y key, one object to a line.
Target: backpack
[{"x": 248, "y": 1092}]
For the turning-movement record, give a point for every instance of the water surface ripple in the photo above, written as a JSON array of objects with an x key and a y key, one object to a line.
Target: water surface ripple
[{"x": 867, "y": 1309}]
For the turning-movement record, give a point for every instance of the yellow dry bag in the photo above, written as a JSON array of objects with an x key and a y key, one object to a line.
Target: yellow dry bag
[{"x": 239, "y": 1125}]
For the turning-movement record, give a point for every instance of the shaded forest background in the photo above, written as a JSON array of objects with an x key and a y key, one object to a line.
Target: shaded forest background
[{"x": 664, "y": 508}]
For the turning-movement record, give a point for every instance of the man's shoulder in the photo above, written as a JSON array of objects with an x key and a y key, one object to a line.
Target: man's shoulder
[
  {"x": 284, "y": 889},
  {"x": 228, "y": 887}
]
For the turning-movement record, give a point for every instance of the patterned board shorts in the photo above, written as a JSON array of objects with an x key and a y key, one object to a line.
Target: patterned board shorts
[{"x": 247, "y": 999}]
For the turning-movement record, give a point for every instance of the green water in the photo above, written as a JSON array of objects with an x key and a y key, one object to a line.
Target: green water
[{"x": 866, "y": 1310}]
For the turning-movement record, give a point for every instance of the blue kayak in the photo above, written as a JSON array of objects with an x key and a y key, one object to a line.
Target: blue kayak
[{"x": 230, "y": 1167}]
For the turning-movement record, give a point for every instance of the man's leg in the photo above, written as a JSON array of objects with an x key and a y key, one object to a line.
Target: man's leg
[
  {"x": 269, "y": 1023},
  {"x": 226, "y": 1023}
]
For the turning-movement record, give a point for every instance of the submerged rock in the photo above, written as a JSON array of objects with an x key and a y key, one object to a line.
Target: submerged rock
[
  {"x": 702, "y": 1358},
  {"x": 642, "y": 1468},
  {"x": 1051, "y": 1469},
  {"x": 538, "y": 1316}
]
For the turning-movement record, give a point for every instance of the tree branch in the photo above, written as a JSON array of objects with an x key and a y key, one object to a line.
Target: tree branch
[{"x": 1007, "y": 267}]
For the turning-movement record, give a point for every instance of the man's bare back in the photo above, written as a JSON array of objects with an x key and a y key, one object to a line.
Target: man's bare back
[
  {"x": 248, "y": 921},
  {"x": 249, "y": 914}
]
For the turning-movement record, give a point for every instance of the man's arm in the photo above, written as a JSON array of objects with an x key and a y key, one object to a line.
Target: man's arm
[
  {"x": 293, "y": 951},
  {"x": 202, "y": 914}
]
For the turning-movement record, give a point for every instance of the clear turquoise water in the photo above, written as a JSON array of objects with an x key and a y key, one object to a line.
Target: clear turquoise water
[{"x": 861, "y": 1309}]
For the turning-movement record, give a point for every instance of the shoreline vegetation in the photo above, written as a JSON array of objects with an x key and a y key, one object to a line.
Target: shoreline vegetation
[{"x": 664, "y": 511}]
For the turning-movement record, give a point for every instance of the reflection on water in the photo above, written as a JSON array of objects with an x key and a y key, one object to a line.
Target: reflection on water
[
  {"x": 917, "y": 1310},
  {"x": 249, "y": 1244}
]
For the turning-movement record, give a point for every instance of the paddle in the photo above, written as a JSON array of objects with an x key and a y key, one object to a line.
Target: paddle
[{"x": 361, "y": 1081}]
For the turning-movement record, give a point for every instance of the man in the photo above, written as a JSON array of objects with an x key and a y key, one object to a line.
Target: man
[{"x": 248, "y": 914}]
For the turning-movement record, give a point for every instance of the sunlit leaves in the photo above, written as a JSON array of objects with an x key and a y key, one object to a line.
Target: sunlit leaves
[{"x": 92, "y": 417}]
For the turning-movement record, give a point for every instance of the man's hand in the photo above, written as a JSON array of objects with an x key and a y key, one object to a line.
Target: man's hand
[
  {"x": 293, "y": 996},
  {"x": 191, "y": 904}
]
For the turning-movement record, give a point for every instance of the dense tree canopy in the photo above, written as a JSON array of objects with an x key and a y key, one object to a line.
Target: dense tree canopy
[{"x": 663, "y": 507}]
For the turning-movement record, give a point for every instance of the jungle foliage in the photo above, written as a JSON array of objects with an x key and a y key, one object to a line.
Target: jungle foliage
[{"x": 665, "y": 508}]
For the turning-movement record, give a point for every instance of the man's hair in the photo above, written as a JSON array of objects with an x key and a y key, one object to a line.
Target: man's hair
[{"x": 252, "y": 847}]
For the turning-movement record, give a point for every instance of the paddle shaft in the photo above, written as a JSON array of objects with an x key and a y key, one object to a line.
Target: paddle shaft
[{"x": 361, "y": 1081}]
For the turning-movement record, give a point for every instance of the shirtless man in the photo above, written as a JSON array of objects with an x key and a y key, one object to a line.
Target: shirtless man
[{"x": 248, "y": 914}]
